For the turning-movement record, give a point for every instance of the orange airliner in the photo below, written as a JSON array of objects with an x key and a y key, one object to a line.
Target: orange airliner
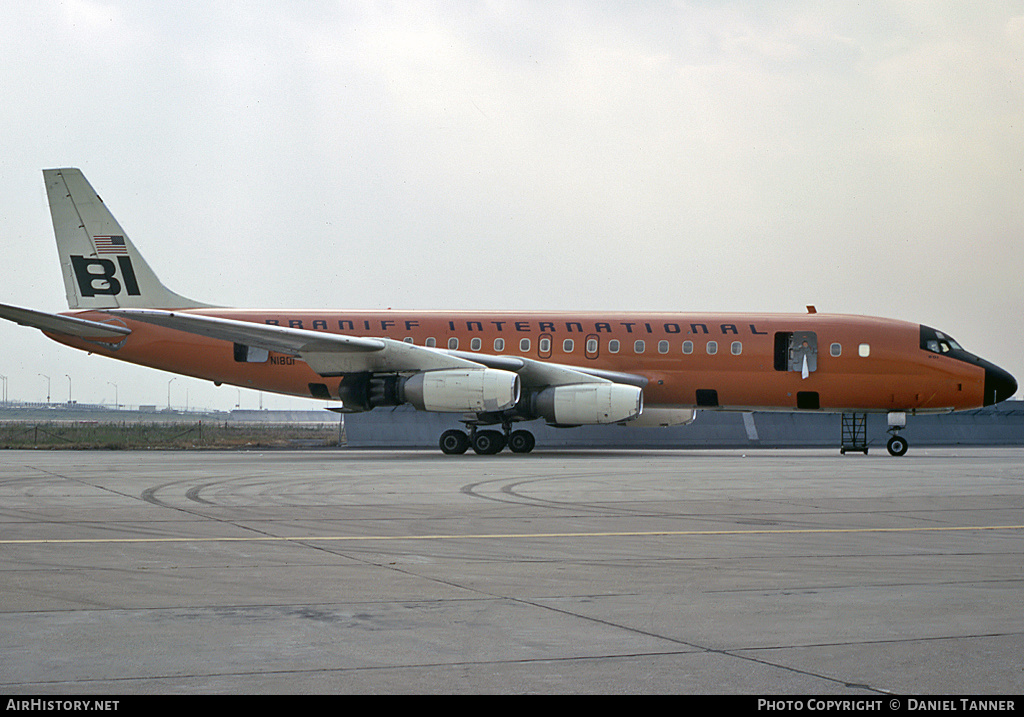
[{"x": 503, "y": 369}]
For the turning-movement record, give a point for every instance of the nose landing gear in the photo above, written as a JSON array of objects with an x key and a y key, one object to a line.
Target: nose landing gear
[{"x": 897, "y": 445}]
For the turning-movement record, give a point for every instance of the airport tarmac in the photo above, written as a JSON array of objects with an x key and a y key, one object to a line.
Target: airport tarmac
[{"x": 770, "y": 572}]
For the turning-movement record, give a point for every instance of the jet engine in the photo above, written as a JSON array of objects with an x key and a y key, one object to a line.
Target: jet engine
[
  {"x": 462, "y": 390},
  {"x": 589, "y": 403}
]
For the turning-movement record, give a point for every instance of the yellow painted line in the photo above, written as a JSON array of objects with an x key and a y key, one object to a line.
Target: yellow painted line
[{"x": 506, "y": 536}]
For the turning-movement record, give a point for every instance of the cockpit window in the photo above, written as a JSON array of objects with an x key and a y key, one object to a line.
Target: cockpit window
[{"x": 938, "y": 342}]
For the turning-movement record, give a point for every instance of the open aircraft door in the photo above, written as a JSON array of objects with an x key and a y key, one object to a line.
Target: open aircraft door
[
  {"x": 803, "y": 352},
  {"x": 796, "y": 351}
]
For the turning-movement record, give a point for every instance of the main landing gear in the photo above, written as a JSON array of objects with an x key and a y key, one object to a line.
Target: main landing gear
[{"x": 486, "y": 443}]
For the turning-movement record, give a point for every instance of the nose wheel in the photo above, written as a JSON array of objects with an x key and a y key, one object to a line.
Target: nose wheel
[{"x": 897, "y": 445}]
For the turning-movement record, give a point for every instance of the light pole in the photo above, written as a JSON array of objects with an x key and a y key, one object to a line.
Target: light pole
[
  {"x": 116, "y": 403},
  {"x": 69, "y": 389},
  {"x": 5, "y": 387},
  {"x": 47, "y": 387},
  {"x": 169, "y": 392}
]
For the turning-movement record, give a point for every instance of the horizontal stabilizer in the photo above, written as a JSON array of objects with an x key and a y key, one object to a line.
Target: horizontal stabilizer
[{"x": 66, "y": 325}]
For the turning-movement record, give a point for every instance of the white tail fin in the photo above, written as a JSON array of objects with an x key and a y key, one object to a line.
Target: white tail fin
[{"x": 102, "y": 269}]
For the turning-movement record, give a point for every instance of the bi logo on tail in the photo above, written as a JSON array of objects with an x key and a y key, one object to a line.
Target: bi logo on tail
[{"x": 99, "y": 276}]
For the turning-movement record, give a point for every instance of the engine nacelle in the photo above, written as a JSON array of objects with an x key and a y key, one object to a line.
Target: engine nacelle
[
  {"x": 462, "y": 390},
  {"x": 589, "y": 403}
]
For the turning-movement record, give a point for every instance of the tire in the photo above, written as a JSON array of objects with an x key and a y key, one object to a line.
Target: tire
[
  {"x": 897, "y": 446},
  {"x": 454, "y": 442},
  {"x": 487, "y": 443},
  {"x": 521, "y": 442}
]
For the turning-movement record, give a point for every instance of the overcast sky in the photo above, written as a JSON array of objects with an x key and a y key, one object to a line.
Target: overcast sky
[{"x": 867, "y": 158}]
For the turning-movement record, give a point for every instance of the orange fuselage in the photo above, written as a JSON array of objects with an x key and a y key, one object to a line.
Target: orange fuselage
[{"x": 859, "y": 363}]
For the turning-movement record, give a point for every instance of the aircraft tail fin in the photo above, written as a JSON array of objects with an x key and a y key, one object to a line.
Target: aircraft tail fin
[{"x": 102, "y": 269}]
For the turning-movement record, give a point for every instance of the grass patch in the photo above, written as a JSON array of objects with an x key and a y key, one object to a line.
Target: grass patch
[{"x": 87, "y": 435}]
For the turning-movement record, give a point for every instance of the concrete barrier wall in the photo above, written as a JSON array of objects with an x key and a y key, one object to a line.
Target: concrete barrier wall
[{"x": 993, "y": 426}]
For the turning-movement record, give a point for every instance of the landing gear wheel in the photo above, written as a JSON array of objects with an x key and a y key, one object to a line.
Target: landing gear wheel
[
  {"x": 454, "y": 442},
  {"x": 897, "y": 446},
  {"x": 487, "y": 443},
  {"x": 521, "y": 442}
]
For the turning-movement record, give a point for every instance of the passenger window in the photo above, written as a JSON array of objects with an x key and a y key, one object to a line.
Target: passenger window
[
  {"x": 864, "y": 350},
  {"x": 736, "y": 348},
  {"x": 613, "y": 346},
  {"x": 567, "y": 346},
  {"x": 431, "y": 343},
  {"x": 475, "y": 343},
  {"x": 453, "y": 343},
  {"x": 663, "y": 347},
  {"x": 687, "y": 347},
  {"x": 836, "y": 349},
  {"x": 591, "y": 346},
  {"x": 408, "y": 339},
  {"x": 499, "y": 344},
  {"x": 544, "y": 346},
  {"x": 638, "y": 347},
  {"x": 524, "y": 345},
  {"x": 712, "y": 347}
]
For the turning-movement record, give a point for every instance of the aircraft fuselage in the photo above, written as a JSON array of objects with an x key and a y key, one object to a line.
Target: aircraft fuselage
[{"x": 708, "y": 361}]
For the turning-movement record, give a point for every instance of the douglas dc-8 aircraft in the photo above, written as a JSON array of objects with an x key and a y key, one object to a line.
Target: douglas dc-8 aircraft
[{"x": 502, "y": 369}]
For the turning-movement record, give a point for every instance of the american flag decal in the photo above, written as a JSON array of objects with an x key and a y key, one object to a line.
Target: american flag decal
[{"x": 110, "y": 245}]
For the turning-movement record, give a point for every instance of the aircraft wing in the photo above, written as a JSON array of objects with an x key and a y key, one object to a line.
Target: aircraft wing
[
  {"x": 66, "y": 325},
  {"x": 327, "y": 354},
  {"x": 334, "y": 354}
]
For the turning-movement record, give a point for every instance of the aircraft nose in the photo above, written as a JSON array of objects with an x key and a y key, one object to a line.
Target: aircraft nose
[{"x": 999, "y": 384}]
